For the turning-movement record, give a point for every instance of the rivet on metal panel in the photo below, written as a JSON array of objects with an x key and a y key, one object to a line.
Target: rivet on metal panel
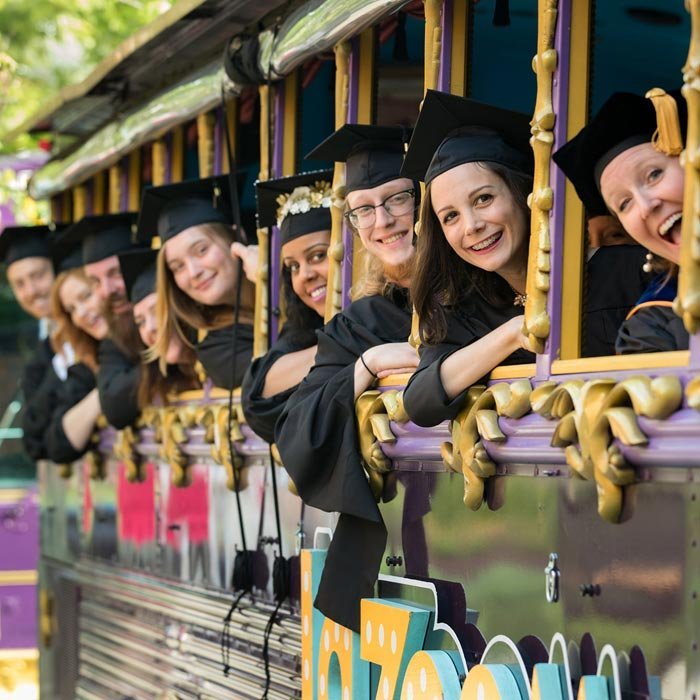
[{"x": 551, "y": 579}]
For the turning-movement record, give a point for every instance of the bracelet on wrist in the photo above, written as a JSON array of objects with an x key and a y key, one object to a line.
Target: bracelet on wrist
[{"x": 364, "y": 364}]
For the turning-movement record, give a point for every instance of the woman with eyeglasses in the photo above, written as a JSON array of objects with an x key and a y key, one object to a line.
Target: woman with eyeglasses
[
  {"x": 316, "y": 433},
  {"x": 300, "y": 206}
]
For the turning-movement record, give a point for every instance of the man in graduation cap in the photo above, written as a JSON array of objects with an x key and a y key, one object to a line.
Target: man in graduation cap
[
  {"x": 26, "y": 252},
  {"x": 316, "y": 433},
  {"x": 103, "y": 239}
]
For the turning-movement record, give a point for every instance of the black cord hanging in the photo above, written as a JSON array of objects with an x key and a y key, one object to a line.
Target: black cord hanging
[{"x": 242, "y": 578}]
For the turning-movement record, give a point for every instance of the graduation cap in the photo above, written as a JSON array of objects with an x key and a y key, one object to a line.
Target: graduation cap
[
  {"x": 298, "y": 204},
  {"x": 625, "y": 120},
  {"x": 453, "y": 130},
  {"x": 18, "y": 242},
  {"x": 372, "y": 154},
  {"x": 139, "y": 273},
  {"x": 67, "y": 250},
  {"x": 101, "y": 236},
  {"x": 170, "y": 209}
]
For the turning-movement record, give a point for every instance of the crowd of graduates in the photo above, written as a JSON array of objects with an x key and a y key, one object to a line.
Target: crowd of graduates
[{"x": 138, "y": 304}]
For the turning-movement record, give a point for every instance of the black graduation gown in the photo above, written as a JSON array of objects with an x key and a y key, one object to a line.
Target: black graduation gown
[
  {"x": 424, "y": 398},
  {"x": 40, "y": 385},
  {"x": 215, "y": 353},
  {"x": 262, "y": 413},
  {"x": 117, "y": 383},
  {"x": 652, "y": 326},
  {"x": 79, "y": 383},
  {"x": 317, "y": 440},
  {"x": 614, "y": 282}
]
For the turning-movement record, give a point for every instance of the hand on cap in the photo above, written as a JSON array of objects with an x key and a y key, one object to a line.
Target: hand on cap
[{"x": 248, "y": 254}]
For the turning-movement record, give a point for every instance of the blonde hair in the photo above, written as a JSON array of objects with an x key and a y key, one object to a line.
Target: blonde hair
[
  {"x": 176, "y": 312},
  {"x": 65, "y": 331},
  {"x": 372, "y": 280}
]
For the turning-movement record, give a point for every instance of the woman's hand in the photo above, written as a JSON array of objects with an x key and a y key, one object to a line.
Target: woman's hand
[
  {"x": 391, "y": 358},
  {"x": 519, "y": 339},
  {"x": 248, "y": 254}
]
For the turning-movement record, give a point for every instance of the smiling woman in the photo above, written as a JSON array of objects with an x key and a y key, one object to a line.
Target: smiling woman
[{"x": 630, "y": 161}]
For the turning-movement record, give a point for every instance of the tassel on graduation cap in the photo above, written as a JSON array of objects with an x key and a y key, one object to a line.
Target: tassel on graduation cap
[
  {"x": 668, "y": 137},
  {"x": 501, "y": 13}
]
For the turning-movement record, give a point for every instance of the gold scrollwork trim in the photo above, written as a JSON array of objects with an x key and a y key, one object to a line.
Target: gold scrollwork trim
[
  {"x": 125, "y": 451},
  {"x": 374, "y": 411},
  {"x": 591, "y": 414},
  {"x": 537, "y": 321},
  {"x": 478, "y": 421},
  {"x": 687, "y": 303},
  {"x": 215, "y": 421}
]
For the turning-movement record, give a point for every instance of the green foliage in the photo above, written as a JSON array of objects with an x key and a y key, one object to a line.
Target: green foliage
[{"x": 48, "y": 44}]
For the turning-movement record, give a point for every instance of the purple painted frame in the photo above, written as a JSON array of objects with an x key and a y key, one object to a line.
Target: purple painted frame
[{"x": 557, "y": 181}]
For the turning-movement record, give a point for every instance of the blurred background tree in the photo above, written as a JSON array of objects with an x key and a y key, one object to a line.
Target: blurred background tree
[{"x": 48, "y": 44}]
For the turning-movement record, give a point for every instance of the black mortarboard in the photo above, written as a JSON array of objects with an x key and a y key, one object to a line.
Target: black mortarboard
[
  {"x": 102, "y": 235},
  {"x": 453, "y": 130},
  {"x": 18, "y": 242},
  {"x": 625, "y": 120},
  {"x": 310, "y": 198},
  {"x": 372, "y": 154},
  {"x": 67, "y": 250},
  {"x": 170, "y": 209},
  {"x": 139, "y": 273}
]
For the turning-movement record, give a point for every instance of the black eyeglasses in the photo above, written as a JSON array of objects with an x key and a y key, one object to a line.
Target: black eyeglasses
[{"x": 395, "y": 205}]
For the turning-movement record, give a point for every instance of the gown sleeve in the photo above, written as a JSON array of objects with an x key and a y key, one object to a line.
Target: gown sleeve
[
  {"x": 652, "y": 328},
  {"x": 78, "y": 384},
  {"x": 614, "y": 281},
  {"x": 317, "y": 439},
  {"x": 425, "y": 399},
  {"x": 40, "y": 385},
  {"x": 215, "y": 353},
  {"x": 117, "y": 383},
  {"x": 262, "y": 413}
]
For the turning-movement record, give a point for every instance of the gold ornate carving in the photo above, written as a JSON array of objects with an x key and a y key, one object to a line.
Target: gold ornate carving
[
  {"x": 205, "y": 143},
  {"x": 687, "y": 303},
  {"x": 433, "y": 43},
  {"x": 374, "y": 410},
  {"x": 336, "y": 251},
  {"x": 215, "y": 421},
  {"x": 692, "y": 393},
  {"x": 478, "y": 421},
  {"x": 125, "y": 451},
  {"x": 591, "y": 414},
  {"x": 537, "y": 322},
  {"x": 96, "y": 465},
  {"x": 169, "y": 424},
  {"x": 115, "y": 189}
]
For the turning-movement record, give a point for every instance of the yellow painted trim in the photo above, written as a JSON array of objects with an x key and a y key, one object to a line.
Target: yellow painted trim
[
  {"x": 291, "y": 117},
  {"x": 574, "y": 223},
  {"x": 460, "y": 47},
  {"x": 395, "y": 380},
  {"x": 513, "y": 371},
  {"x": 615, "y": 363},
  {"x": 219, "y": 393},
  {"x": 159, "y": 160},
  {"x": 205, "y": 143},
  {"x": 115, "y": 189},
  {"x": 12, "y": 495},
  {"x": 98, "y": 193},
  {"x": 134, "y": 183},
  {"x": 67, "y": 206},
  {"x": 191, "y": 395},
  {"x": 19, "y": 654},
  {"x": 367, "y": 79},
  {"x": 177, "y": 154},
  {"x": 19, "y": 578},
  {"x": 79, "y": 202}
]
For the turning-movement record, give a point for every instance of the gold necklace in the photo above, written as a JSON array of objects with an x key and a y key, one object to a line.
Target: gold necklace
[{"x": 520, "y": 299}]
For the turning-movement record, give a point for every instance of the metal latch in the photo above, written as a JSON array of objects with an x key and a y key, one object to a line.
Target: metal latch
[{"x": 551, "y": 579}]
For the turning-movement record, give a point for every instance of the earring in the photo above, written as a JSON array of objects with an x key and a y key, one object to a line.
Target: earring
[{"x": 647, "y": 265}]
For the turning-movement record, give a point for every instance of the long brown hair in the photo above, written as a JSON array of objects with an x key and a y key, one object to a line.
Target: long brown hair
[
  {"x": 442, "y": 279},
  {"x": 178, "y": 313},
  {"x": 156, "y": 387},
  {"x": 65, "y": 331}
]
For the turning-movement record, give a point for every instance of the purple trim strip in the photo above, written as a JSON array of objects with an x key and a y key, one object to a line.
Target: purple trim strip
[
  {"x": 275, "y": 242},
  {"x": 694, "y": 351},
  {"x": 218, "y": 142},
  {"x": 350, "y": 118},
  {"x": 446, "y": 47},
  {"x": 558, "y": 182},
  {"x": 124, "y": 184}
]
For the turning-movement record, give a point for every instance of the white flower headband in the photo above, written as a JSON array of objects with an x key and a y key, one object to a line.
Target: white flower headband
[{"x": 303, "y": 199}]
